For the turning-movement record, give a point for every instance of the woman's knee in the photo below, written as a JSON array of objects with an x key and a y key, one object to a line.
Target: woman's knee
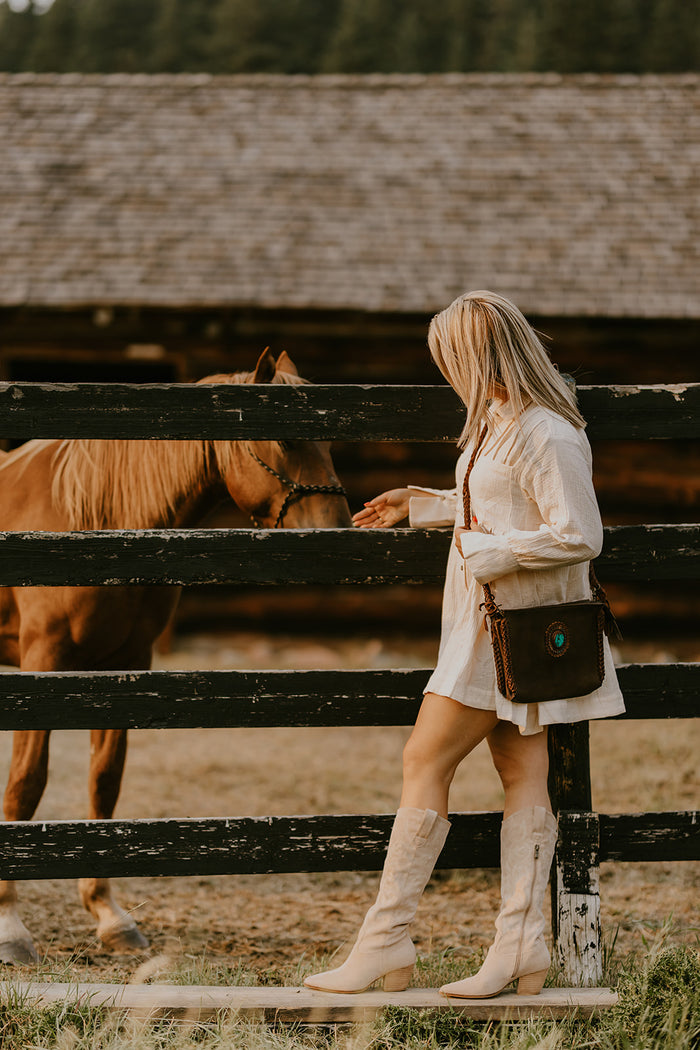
[
  {"x": 421, "y": 760},
  {"x": 415, "y": 756},
  {"x": 516, "y": 763}
]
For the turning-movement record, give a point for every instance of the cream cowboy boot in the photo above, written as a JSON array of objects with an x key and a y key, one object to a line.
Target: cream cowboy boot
[
  {"x": 383, "y": 948},
  {"x": 519, "y": 952}
]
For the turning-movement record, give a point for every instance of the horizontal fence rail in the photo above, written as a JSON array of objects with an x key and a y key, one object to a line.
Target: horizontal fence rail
[
  {"x": 258, "y": 699},
  {"x": 318, "y": 556},
  {"x": 216, "y": 699},
  {"x": 347, "y": 413},
  {"x": 264, "y": 845}
]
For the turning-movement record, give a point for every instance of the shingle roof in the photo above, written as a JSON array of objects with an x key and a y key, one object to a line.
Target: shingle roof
[{"x": 574, "y": 195}]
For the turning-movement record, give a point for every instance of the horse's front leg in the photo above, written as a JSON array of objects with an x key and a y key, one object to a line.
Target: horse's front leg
[
  {"x": 115, "y": 927},
  {"x": 25, "y": 786}
]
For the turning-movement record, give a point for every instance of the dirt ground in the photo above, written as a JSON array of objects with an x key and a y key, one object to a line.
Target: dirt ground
[{"x": 265, "y": 921}]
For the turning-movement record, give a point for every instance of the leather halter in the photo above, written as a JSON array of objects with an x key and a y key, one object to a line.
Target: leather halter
[{"x": 297, "y": 491}]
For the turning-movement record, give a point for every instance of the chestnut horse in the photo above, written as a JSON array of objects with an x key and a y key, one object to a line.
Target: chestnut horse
[{"x": 56, "y": 486}]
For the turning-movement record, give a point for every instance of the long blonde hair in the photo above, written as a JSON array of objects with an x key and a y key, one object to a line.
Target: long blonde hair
[{"x": 481, "y": 342}]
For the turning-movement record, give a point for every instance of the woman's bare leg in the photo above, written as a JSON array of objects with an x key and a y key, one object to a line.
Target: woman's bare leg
[
  {"x": 522, "y": 763},
  {"x": 445, "y": 732}
]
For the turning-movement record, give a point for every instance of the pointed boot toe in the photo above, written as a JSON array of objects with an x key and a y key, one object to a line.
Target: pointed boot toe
[
  {"x": 363, "y": 969},
  {"x": 487, "y": 985},
  {"x": 494, "y": 977}
]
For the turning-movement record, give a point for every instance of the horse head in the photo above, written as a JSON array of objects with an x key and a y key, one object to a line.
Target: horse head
[{"x": 289, "y": 483}]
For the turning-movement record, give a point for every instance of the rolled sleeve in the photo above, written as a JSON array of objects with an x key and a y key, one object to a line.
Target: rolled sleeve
[
  {"x": 487, "y": 557},
  {"x": 436, "y": 508}
]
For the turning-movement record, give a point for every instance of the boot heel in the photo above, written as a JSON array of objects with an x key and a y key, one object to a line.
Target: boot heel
[
  {"x": 531, "y": 983},
  {"x": 397, "y": 980}
]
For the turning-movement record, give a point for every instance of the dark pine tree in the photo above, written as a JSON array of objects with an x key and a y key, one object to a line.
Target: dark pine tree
[
  {"x": 53, "y": 48},
  {"x": 500, "y": 40},
  {"x": 366, "y": 37},
  {"x": 595, "y": 36},
  {"x": 17, "y": 30},
  {"x": 628, "y": 27},
  {"x": 423, "y": 37},
  {"x": 673, "y": 42},
  {"x": 181, "y": 36},
  {"x": 272, "y": 36},
  {"x": 115, "y": 36},
  {"x": 354, "y": 36},
  {"x": 467, "y": 41},
  {"x": 240, "y": 43}
]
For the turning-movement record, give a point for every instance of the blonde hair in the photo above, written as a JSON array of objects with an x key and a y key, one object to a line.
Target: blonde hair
[{"x": 481, "y": 342}]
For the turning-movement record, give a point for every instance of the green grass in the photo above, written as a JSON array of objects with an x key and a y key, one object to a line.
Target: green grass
[{"x": 659, "y": 1009}]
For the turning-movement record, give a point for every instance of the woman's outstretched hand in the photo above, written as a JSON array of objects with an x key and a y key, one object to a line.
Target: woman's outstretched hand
[{"x": 383, "y": 511}]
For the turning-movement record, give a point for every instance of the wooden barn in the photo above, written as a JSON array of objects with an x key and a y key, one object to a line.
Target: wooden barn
[{"x": 161, "y": 228}]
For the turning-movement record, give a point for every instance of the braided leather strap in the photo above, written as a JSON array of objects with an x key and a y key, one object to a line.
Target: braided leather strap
[
  {"x": 489, "y": 603},
  {"x": 466, "y": 498}
]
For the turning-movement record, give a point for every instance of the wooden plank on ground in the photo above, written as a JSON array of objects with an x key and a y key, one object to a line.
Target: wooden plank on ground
[
  {"x": 204, "y": 1002},
  {"x": 258, "y": 699},
  {"x": 338, "y": 412},
  {"x": 265, "y": 845},
  {"x": 318, "y": 556}
]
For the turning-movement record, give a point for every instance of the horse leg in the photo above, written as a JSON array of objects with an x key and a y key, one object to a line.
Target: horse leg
[
  {"x": 25, "y": 786},
  {"x": 115, "y": 927}
]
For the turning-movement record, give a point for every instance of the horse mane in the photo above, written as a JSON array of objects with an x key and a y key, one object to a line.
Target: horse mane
[{"x": 130, "y": 484}]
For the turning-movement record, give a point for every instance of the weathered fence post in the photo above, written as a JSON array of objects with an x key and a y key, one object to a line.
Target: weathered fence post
[{"x": 575, "y": 877}]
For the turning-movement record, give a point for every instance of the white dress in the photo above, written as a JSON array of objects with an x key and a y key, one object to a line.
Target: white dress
[{"x": 535, "y": 527}]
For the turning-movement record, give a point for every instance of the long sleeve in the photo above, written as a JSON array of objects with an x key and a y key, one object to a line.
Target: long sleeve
[
  {"x": 556, "y": 477},
  {"x": 434, "y": 510}
]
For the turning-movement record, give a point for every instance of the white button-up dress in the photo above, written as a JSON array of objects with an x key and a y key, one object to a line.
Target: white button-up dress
[{"x": 535, "y": 527}]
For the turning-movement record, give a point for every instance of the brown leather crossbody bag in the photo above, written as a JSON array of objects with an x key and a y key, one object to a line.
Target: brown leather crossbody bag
[{"x": 548, "y": 652}]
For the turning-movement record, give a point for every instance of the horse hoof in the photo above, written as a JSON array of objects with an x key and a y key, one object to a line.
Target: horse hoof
[
  {"x": 126, "y": 940},
  {"x": 18, "y": 953}
]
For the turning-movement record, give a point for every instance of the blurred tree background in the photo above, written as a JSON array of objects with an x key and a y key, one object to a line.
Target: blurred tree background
[{"x": 350, "y": 36}]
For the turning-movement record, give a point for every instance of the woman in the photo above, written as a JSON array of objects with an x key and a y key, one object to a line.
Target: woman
[{"x": 535, "y": 527}]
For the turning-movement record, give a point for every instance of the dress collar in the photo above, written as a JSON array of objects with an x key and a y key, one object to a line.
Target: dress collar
[{"x": 502, "y": 409}]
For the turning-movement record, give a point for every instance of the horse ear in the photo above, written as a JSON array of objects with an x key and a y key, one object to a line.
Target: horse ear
[
  {"x": 285, "y": 364},
  {"x": 265, "y": 368}
]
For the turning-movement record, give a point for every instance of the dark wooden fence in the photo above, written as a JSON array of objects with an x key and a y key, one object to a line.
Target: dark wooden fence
[{"x": 320, "y": 698}]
